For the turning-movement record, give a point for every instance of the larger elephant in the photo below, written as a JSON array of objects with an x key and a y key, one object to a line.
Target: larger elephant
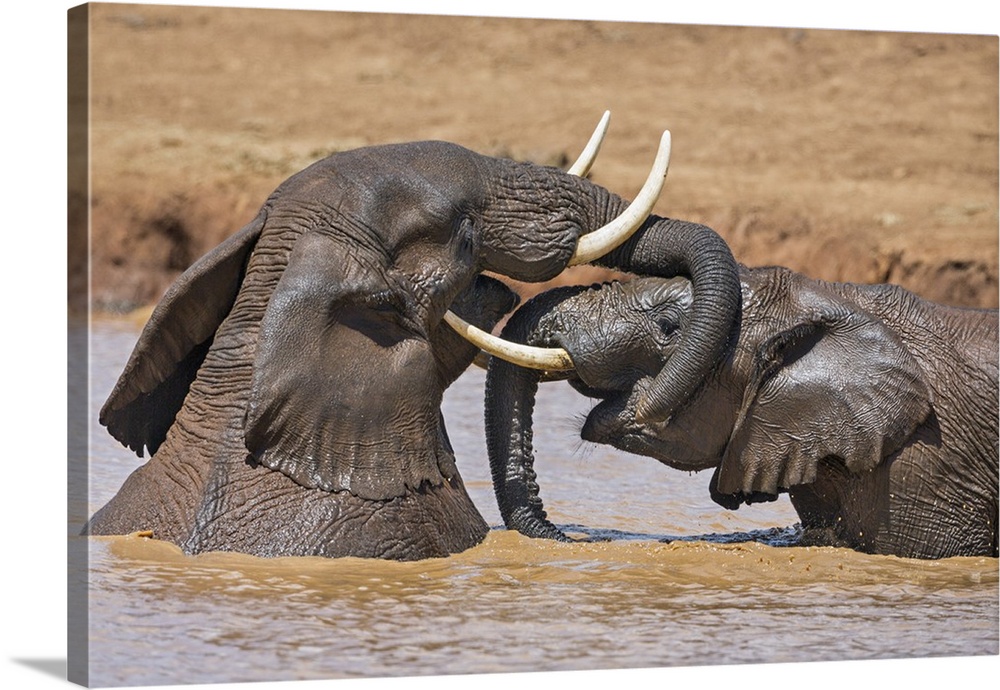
[
  {"x": 288, "y": 385},
  {"x": 875, "y": 410}
]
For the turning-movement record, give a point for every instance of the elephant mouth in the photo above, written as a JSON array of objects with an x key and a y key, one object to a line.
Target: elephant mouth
[
  {"x": 585, "y": 389},
  {"x": 609, "y": 423}
]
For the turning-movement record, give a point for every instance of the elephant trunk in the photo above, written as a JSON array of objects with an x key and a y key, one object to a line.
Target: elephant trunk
[
  {"x": 510, "y": 404},
  {"x": 666, "y": 248}
]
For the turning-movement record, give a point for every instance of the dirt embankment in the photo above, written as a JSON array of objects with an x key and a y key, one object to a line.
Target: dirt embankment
[{"x": 845, "y": 155}]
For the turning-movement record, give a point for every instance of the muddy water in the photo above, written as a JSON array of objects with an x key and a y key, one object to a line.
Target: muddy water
[{"x": 631, "y": 600}]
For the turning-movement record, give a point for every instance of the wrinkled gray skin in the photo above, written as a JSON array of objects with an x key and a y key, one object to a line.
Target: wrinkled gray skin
[
  {"x": 875, "y": 410},
  {"x": 288, "y": 385}
]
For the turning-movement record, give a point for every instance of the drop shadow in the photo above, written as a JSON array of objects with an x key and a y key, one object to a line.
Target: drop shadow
[{"x": 50, "y": 667}]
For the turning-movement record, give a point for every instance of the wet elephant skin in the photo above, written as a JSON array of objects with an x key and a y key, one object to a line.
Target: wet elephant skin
[
  {"x": 875, "y": 410},
  {"x": 288, "y": 385}
]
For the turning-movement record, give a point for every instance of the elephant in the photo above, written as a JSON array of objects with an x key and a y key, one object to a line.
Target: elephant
[
  {"x": 288, "y": 385},
  {"x": 873, "y": 409}
]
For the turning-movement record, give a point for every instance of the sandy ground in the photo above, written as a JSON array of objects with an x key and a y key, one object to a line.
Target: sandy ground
[{"x": 847, "y": 155}]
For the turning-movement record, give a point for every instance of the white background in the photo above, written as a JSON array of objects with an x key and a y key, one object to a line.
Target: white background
[{"x": 34, "y": 343}]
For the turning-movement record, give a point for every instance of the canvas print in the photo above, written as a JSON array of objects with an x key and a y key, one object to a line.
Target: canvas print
[{"x": 428, "y": 345}]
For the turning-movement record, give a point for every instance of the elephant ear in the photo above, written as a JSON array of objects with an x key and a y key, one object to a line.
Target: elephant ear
[
  {"x": 839, "y": 384},
  {"x": 174, "y": 342},
  {"x": 347, "y": 388}
]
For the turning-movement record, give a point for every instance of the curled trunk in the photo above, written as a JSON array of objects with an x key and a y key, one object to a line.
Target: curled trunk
[{"x": 668, "y": 248}]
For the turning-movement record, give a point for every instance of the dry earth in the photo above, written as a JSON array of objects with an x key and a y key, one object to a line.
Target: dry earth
[{"x": 847, "y": 155}]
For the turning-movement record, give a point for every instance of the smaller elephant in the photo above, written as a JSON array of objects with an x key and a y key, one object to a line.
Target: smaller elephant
[{"x": 875, "y": 410}]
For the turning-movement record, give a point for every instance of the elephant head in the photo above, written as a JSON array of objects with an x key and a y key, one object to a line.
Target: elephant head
[
  {"x": 824, "y": 381},
  {"x": 312, "y": 344},
  {"x": 616, "y": 338}
]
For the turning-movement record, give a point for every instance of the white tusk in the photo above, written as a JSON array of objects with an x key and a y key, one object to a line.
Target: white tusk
[
  {"x": 545, "y": 358},
  {"x": 596, "y": 244},
  {"x": 589, "y": 154}
]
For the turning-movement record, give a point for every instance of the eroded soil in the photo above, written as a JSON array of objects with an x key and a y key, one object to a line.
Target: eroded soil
[{"x": 846, "y": 155}]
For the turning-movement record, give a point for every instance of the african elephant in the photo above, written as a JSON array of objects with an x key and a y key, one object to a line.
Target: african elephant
[
  {"x": 288, "y": 385},
  {"x": 875, "y": 410}
]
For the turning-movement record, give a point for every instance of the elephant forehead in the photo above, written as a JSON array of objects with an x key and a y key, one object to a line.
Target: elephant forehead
[
  {"x": 437, "y": 164},
  {"x": 609, "y": 353},
  {"x": 612, "y": 312},
  {"x": 650, "y": 293},
  {"x": 393, "y": 192}
]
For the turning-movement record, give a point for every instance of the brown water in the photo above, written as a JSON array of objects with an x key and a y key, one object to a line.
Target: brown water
[{"x": 160, "y": 617}]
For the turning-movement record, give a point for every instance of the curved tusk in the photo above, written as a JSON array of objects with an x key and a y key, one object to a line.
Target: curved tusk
[
  {"x": 596, "y": 244},
  {"x": 545, "y": 358},
  {"x": 589, "y": 153}
]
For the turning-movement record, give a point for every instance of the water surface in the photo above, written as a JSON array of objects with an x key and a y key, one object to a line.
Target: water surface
[{"x": 667, "y": 587}]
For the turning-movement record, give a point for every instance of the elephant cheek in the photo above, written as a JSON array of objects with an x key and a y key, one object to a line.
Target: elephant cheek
[{"x": 691, "y": 441}]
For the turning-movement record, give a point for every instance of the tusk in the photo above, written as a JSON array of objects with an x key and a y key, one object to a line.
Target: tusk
[
  {"x": 589, "y": 154},
  {"x": 596, "y": 244},
  {"x": 546, "y": 358},
  {"x": 482, "y": 360}
]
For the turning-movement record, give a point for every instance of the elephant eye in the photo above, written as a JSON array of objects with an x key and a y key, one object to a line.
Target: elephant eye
[
  {"x": 466, "y": 239},
  {"x": 386, "y": 305},
  {"x": 666, "y": 325},
  {"x": 666, "y": 319}
]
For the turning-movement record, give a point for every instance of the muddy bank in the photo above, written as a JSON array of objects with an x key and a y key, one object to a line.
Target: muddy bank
[{"x": 846, "y": 155}]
